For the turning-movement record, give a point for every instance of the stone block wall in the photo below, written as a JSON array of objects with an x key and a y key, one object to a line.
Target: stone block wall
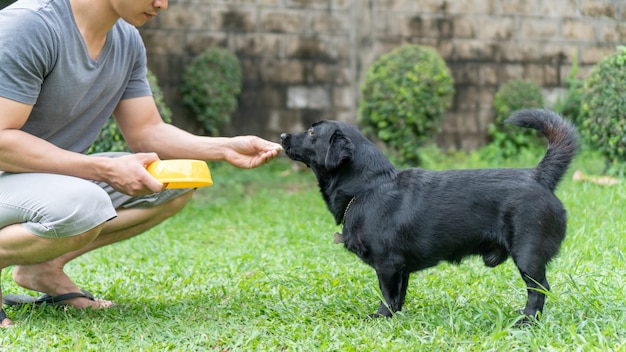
[{"x": 303, "y": 60}]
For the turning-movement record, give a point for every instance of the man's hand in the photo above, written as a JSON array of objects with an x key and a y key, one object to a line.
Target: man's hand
[
  {"x": 128, "y": 174},
  {"x": 250, "y": 151}
]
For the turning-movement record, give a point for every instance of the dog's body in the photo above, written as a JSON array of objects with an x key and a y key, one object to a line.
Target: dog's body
[{"x": 401, "y": 221}]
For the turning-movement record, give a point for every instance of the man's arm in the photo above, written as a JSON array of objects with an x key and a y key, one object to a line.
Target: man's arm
[
  {"x": 23, "y": 152},
  {"x": 144, "y": 131}
]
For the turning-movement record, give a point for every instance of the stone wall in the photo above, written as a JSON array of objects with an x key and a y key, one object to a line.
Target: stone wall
[{"x": 303, "y": 60}]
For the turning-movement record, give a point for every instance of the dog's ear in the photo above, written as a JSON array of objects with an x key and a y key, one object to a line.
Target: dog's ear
[{"x": 340, "y": 149}]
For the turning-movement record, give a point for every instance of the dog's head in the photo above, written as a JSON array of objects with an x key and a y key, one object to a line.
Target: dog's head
[{"x": 323, "y": 147}]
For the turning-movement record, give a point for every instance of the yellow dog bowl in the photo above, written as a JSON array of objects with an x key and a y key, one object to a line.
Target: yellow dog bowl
[{"x": 181, "y": 173}]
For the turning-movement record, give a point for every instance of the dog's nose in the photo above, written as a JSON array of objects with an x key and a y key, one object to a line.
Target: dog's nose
[{"x": 283, "y": 136}]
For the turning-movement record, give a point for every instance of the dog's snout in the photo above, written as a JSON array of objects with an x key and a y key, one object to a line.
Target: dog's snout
[{"x": 284, "y": 136}]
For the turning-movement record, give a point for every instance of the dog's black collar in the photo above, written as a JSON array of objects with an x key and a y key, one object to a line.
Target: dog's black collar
[
  {"x": 345, "y": 212},
  {"x": 338, "y": 235}
]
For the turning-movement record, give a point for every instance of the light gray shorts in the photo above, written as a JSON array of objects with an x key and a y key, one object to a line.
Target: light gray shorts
[{"x": 51, "y": 205}]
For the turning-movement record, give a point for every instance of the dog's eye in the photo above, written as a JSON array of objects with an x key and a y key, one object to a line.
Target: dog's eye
[{"x": 311, "y": 132}]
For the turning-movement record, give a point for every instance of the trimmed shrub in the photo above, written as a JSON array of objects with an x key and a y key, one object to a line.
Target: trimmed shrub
[
  {"x": 404, "y": 97},
  {"x": 210, "y": 86},
  {"x": 507, "y": 140},
  {"x": 604, "y": 109},
  {"x": 110, "y": 138},
  {"x": 570, "y": 104}
]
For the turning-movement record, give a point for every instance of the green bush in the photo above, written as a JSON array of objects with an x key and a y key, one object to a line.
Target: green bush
[
  {"x": 570, "y": 104},
  {"x": 110, "y": 138},
  {"x": 506, "y": 140},
  {"x": 404, "y": 96},
  {"x": 210, "y": 86},
  {"x": 604, "y": 108}
]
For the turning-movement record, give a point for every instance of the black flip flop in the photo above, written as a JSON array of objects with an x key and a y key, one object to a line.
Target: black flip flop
[{"x": 18, "y": 300}]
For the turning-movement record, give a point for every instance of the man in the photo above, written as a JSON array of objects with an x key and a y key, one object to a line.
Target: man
[{"x": 65, "y": 66}]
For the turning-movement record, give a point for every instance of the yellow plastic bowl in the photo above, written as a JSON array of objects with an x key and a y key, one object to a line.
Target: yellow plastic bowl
[{"x": 181, "y": 173}]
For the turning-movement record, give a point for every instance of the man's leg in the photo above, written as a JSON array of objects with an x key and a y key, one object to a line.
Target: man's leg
[
  {"x": 48, "y": 276},
  {"x": 17, "y": 245},
  {"x": 44, "y": 216}
]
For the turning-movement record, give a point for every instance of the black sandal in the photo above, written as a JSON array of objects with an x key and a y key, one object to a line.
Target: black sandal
[{"x": 18, "y": 300}]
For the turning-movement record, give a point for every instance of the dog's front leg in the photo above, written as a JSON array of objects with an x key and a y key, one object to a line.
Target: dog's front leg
[{"x": 393, "y": 284}]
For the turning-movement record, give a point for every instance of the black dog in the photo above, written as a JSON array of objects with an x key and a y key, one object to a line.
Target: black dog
[{"x": 401, "y": 221}]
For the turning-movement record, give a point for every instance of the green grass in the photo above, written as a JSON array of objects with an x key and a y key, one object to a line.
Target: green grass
[{"x": 250, "y": 265}]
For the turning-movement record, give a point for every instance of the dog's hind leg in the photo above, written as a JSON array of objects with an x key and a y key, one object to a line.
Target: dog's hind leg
[
  {"x": 534, "y": 275},
  {"x": 393, "y": 285},
  {"x": 532, "y": 249}
]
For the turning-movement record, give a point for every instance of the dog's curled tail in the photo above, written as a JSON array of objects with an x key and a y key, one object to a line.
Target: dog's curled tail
[{"x": 562, "y": 142}]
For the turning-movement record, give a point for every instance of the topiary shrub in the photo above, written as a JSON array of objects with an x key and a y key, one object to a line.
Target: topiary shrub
[
  {"x": 110, "y": 138},
  {"x": 210, "y": 86},
  {"x": 604, "y": 109},
  {"x": 506, "y": 140},
  {"x": 404, "y": 96},
  {"x": 570, "y": 104}
]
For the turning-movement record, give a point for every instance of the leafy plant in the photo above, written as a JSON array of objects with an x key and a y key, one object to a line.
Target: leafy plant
[
  {"x": 210, "y": 86},
  {"x": 404, "y": 96},
  {"x": 110, "y": 138},
  {"x": 507, "y": 140},
  {"x": 604, "y": 109},
  {"x": 570, "y": 104}
]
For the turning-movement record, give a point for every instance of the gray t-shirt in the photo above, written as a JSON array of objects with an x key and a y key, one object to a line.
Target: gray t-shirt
[{"x": 44, "y": 61}]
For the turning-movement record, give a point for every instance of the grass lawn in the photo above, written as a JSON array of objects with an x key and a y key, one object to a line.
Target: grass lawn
[{"x": 250, "y": 264}]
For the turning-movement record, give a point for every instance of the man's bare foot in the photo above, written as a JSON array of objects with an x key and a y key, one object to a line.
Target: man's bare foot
[
  {"x": 49, "y": 278},
  {"x": 4, "y": 321}
]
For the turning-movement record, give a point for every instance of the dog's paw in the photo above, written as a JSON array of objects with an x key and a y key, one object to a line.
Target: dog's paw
[
  {"x": 526, "y": 320},
  {"x": 382, "y": 312}
]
